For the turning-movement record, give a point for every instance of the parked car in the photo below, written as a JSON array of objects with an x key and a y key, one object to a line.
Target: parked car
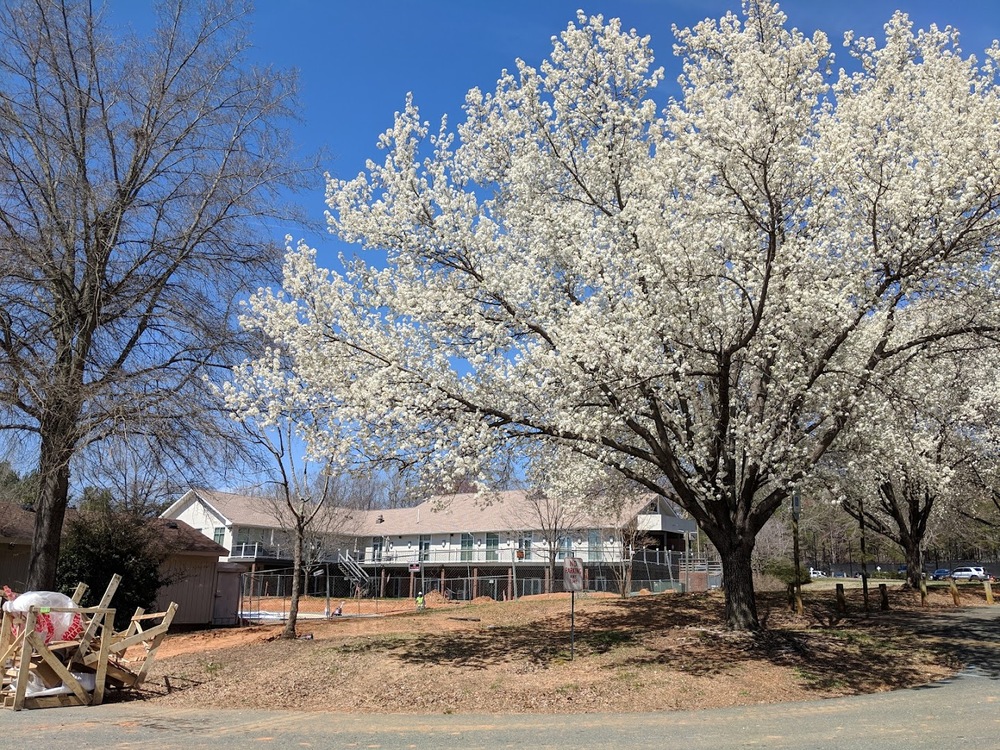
[
  {"x": 969, "y": 573},
  {"x": 813, "y": 573},
  {"x": 940, "y": 574}
]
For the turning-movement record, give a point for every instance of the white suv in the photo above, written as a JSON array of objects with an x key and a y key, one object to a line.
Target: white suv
[{"x": 969, "y": 574}]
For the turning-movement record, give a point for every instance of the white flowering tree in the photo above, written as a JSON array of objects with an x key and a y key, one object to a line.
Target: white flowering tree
[
  {"x": 696, "y": 294},
  {"x": 926, "y": 451}
]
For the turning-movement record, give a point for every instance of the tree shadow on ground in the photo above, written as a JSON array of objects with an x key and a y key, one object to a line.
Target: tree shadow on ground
[
  {"x": 829, "y": 650},
  {"x": 968, "y": 637}
]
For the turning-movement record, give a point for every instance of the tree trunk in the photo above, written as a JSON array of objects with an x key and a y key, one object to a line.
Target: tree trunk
[
  {"x": 737, "y": 584},
  {"x": 914, "y": 565},
  {"x": 50, "y": 506},
  {"x": 623, "y": 575},
  {"x": 293, "y": 607}
]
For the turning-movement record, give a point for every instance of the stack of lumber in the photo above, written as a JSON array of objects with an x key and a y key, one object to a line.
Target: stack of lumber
[{"x": 41, "y": 673}]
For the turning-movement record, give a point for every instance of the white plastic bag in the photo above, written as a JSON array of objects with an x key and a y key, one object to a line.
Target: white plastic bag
[
  {"x": 36, "y": 688},
  {"x": 53, "y": 626}
]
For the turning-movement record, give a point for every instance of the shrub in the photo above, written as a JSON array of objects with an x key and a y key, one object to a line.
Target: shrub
[
  {"x": 784, "y": 571},
  {"x": 100, "y": 543}
]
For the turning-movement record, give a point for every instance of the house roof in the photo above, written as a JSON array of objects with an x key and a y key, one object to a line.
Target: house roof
[
  {"x": 179, "y": 538},
  {"x": 497, "y": 511},
  {"x": 17, "y": 525},
  {"x": 462, "y": 512},
  {"x": 234, "y": 509}
]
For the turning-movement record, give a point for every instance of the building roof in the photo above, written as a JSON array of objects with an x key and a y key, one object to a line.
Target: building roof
[
  {"x": 234, "y": 509},
  {"x": 179, "y": 538},
  {"x": 513, "y": 510},
  {"x": 496, "y": 511},
  {"x": 17, "y": 525}
]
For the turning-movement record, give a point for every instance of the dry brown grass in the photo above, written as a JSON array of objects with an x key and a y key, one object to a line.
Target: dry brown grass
[{"x": 647, "y": 653}]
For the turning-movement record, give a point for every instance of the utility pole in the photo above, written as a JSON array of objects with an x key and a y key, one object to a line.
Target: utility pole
[
  {"x": 864, "y": 555},
  {"x": 687, "y": 561},
  {"x": 513, "y": 568},
  {"x": 796, "y": 507}
]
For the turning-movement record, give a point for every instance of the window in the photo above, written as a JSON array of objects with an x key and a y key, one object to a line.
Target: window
[
  {"x": 524, "y": 545},
  {"x": 492, "y": 546},
  {"x": 565, "y": 547},
  {"x": 594, "y": 545},
  {"x": 425, "y": 547},
  {"x": 467, "y": 542},
  {"x": 248, "y": 535},
  {"x": 219, "y": 535},
  {"x": 376, "y": 548}
]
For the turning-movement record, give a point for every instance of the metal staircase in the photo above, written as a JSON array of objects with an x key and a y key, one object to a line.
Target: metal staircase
[{"x": 357, "y": 575}]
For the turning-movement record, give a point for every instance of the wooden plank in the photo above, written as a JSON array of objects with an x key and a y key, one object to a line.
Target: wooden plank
[
  {"x": 78, "y": 592},
  {"x": 120, "y": 675},
  {"x": 155, "y": 644},
  {"x": 46, "y": 674},
  {"x": 133, "y": 625},
  {"x": 6, "y": 635},
  {"x": 68, "y": 679},
  {"x": 43, "y": 701},
  {"x": 8, "y": 643},
  {"x": 52, "y": 701},
  {"x": 107, "y": 630},
  {"x": 23, "y": 665},
  {"x": 91, "y": 630},
  {"x": 120, "y": 645}
]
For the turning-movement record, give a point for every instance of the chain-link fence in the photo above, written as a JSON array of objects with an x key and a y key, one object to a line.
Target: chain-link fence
[{"x": 266, "y": 595}]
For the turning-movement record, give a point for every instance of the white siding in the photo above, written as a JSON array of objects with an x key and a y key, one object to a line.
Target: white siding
[
  {"x": 200, "y": 518},
  {"x": 448, "y": 548}
]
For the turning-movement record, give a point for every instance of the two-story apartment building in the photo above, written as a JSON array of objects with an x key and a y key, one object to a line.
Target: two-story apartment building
[{"x": 463, "y": 545}]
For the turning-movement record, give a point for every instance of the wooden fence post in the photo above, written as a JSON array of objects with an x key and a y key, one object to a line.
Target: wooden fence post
[
  {"x": 989, "y": 591},
  {"x": 883, "y": 591},
  {"x": 954, "y": 593},
  {"x": 841, "y": 599}
]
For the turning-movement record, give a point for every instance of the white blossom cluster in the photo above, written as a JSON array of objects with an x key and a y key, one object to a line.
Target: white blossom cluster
[
  {"x": 698, "y": 293},
  {"x": 928, "y": 449}
]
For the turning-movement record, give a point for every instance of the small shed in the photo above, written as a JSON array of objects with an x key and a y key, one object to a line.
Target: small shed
[
  {"x": 16, "y": 529},
  {"x": 192, "y": 569},
  {"x": 190, "y": 564}
]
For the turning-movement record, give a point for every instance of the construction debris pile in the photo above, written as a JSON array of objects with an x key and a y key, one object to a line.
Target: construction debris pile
[{"x": 56, "y": 653}]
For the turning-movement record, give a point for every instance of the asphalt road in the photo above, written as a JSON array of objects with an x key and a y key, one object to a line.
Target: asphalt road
[{"x": 960, "y": 713}]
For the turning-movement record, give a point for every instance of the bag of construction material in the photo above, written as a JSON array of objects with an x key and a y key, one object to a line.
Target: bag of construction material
[{"x": 52, "y": 626}]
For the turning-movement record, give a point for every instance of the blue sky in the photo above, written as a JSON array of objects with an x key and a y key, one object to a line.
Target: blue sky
[{"x": 357, "y": 59}]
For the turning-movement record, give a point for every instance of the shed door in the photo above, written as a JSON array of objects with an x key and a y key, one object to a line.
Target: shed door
[{"x": 227, "y": 598}]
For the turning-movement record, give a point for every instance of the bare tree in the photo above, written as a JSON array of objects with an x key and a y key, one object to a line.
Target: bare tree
[
  {"x": 301, "y": 504},
  {"x": 135, "y": 179},
  {"x": 773, "y": 543},
  {"x": 553, "y": 518},
  {"x": 628, "y": 537}
]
